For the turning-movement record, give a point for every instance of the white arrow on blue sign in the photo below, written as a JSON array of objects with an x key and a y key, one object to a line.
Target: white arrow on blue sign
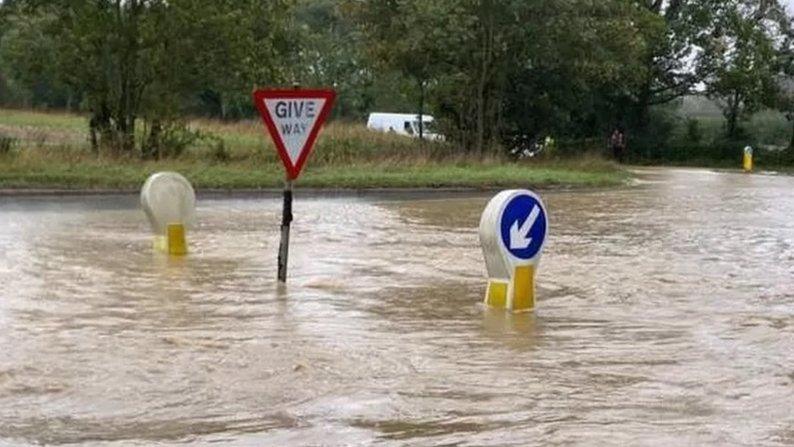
[{"x": 523, "y": 226}]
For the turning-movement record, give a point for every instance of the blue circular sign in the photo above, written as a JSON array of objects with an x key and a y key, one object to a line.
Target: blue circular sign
[{"x": 523, "y": 226}]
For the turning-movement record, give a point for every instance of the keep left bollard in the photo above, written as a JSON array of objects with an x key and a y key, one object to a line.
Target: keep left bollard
[
  {"x": 169, "y": 202},
  {"x": 747, "y": 159},
  {"x": 513, "y": 230}
]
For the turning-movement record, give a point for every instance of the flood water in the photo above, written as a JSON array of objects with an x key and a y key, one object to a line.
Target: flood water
[{"x": 665, "y": 317}]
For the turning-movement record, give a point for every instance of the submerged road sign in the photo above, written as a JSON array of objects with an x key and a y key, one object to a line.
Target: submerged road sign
[
  {"x": 513, "y": 230},
  {"x": 294, "y": 118}
]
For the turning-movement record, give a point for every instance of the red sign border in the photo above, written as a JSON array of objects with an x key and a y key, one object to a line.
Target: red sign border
[{"x": 293, "y": 171}]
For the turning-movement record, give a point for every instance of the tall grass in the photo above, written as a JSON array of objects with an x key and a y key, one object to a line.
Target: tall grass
[
  {"x": 63, "y": 136},
  {"x": 56, "y": 134},
  {"x": 53, "y": 150}
]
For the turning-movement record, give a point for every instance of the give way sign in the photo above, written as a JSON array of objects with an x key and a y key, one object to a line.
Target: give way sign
[{"x": 294, "y": 118}]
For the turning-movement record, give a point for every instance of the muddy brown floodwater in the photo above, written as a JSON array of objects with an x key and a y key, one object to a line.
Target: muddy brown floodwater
[{"x": 666, "y": 317}]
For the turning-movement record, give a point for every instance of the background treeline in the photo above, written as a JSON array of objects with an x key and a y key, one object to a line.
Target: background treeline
[{"x": 685, "y": 78}]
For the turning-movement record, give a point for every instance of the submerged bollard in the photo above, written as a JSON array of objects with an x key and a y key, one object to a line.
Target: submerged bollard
[
  {"x": 513, "y": 230},
  {"x": 747, "y": 159},
  {"x": 169, "y": 202}
]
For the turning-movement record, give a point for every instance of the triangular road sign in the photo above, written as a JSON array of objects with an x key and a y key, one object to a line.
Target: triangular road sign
[{"x": 294, "y": 118}]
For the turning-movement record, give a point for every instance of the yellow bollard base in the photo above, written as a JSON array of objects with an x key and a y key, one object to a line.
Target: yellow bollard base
[
  {"x": 747, "y": 163},
  {"x": 160, "y": 243},
  {"x": 177, "y": 244},
  {"x": 516, "y": 294},
  {"x": 174, "y": 242},
  {"x": 523, "y": 288},
  {"x": 496, "y": 293}
]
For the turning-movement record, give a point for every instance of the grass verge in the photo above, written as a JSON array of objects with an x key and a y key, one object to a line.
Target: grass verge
[
  {"x": 50, "y": 152},
  {"x": 238, "y": 176}
]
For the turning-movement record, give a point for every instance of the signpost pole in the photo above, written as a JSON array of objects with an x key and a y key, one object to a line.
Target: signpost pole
[{"x": 286, "y": 219}]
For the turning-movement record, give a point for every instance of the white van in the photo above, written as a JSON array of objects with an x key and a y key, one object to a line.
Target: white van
[{"x": 403, "y": 124}]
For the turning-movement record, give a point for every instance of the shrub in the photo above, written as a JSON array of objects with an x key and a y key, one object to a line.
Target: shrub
[
  {"x": 693, "y": 131},
  {"x": 176, "y": 138},
  {"x": 6, "y": 144},
  {"x": 652, "y": 141},
  {"x": 219, "y": 152}
]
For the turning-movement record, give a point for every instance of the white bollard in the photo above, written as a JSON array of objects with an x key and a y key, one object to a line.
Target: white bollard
[
  {"x": 513, "y": 230},
  {"x": 169, "y": 202}
]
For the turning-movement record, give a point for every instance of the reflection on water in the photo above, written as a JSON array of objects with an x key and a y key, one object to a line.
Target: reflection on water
[{"x": 666, "y": 317}]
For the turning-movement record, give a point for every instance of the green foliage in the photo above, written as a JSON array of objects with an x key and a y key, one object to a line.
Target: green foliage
[
  {"x": 745, "y": 63},
  {"x": 6, "y": 144},
  {"x": 234, "y": 155},
  {"x": 219, "y": 151},
  {"x": 652, "y": 140},
  {"x": 498, "y": 68},
  {"x": 175, "y": 139},
  {"x": 678, "y": 51},
  {"x": 694, "y": 133},
  {"x": 28, "y": 56},
  {"x": 490, "y": 71},
  {"x": 140, "y": 59}
]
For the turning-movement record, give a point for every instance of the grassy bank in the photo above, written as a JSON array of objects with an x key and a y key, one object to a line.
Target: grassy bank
[{"x": 50, "y": 150}]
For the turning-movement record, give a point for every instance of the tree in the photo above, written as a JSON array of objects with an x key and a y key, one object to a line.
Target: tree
[
  {"x": 746, "y": 62},
  {"x": 480, "y": 68},
  {"x": 138, "y": 60},
  {"x": 27, "y": 61},
  {"x": 332, "y": 54},
  {"x": 679, "y": 47},
  {"x": 491, "y": 67},
  {"x": 785, "y": 103},
  {"x": 785, "y": 81},
  {"x": 413, "y": 37},
  {"x": 529, "y": 68},
  {"x": 578, "y": 63}
]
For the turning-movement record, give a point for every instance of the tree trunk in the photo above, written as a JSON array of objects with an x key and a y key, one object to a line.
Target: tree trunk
[
  {"x": 642, "y": 116},
  {"x": 733, "y": 114},
  {"x": 487, "y": 56},
  {"x": 128, "y": 104},
  {"x": 731, "y": 123},
  {"x": 92, "y": 129},
  {"x": 643, "y": 109},
  {"x": 100, "y": 130},
  {"x": 153, "y": 146},
  {"x": 791, "y": 142},
  {"x": 421, "y": 109}
]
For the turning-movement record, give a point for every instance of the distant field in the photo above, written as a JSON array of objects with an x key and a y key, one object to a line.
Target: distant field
[{"x": 51, "y": 150}]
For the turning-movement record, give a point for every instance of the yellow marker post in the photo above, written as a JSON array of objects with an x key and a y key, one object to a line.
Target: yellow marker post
[
  {"x": 747, "y": 159},
  {"x": 513, "y": 230}
]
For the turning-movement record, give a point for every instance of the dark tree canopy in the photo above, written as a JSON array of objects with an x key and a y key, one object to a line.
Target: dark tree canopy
[{"x": 486, "y": 69}]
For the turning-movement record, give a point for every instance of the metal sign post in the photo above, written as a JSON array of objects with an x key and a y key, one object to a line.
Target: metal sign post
[
  {"x": 286, "y": 219},
  {"x": 293, "y": 118}
]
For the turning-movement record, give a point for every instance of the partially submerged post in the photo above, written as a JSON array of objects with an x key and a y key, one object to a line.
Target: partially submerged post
[
  {"x": 513, "y": 230},
  {"x": 747, "y": 159},
  {"x": 286, "y": 219},
  {"x": 293, "y": 118},
  {"x": 169, "y": 202}
]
